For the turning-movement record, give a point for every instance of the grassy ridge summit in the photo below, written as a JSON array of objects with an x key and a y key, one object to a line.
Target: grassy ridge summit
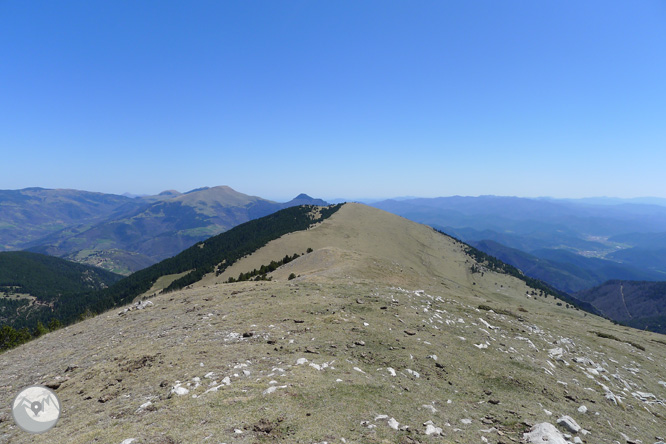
[{"x": 390, "y": 333}]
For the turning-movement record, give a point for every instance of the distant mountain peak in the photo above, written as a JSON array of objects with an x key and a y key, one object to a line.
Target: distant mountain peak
[
  {"x": 304, "y": 199},
  {"x": 170, "y": 193}
]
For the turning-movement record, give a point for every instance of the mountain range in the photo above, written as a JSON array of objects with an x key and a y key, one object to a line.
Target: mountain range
[
  {"x": 340, "y": 324},
  {"x": 124, "y": 234}
]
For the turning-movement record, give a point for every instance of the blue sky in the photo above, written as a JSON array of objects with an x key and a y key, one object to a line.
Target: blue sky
[{"x": 350, "y": 99}]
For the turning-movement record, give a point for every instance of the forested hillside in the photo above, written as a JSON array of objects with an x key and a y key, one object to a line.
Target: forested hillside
[{"x": 62, "y": 302}]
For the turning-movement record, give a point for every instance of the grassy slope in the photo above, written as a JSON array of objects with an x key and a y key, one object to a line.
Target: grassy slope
[{"x": 348, "y": 292}]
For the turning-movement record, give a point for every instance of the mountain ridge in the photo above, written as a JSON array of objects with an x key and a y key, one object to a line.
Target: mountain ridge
[
  {"x": 129, "y": 233},
  {"x": 389, "y": 332}
]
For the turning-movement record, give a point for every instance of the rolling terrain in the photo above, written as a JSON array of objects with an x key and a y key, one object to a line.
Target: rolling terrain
[
  {"x": 33, "y": 213},
  {"x": 381, "y": 330},
  {"x": 123, "y": 234}
]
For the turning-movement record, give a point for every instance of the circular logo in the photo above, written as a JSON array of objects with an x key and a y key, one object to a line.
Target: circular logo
[{"x": 36, "y": 409}]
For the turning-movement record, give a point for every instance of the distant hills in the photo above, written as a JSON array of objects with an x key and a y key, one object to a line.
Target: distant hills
[
  {"x": 30, "y": 214},
  {"x": 571, "y": 244},
  {"x": 120, "y": 233},
  {"x": 563, "y": 269},
  {"x": 638, "y": 304}
]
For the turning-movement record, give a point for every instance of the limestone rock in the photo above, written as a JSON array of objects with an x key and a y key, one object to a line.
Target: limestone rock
[
  {"x": 569, "y": 423},
  {"x": 544, "y": 433}
]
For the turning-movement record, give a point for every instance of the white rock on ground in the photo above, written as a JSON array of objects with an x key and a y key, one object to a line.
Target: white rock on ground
[
  {"x": 180, "y": 391},
  {"x": 393, "y": 423},
  {"x": 128, "y": 441},
  {"x": 582, "y": 409},
  {"x": 413, "y": 373},
  {"x": 429, "y": 407},
  {"x": 431, "y": 429},
  {"x": 569, "y": 423},
  {"x": 544, "y": 433}
]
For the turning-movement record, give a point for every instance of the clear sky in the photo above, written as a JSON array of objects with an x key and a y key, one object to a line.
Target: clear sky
[{"x": 351, "y": 99}]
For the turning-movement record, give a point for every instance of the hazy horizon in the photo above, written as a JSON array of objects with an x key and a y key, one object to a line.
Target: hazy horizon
[
  {"x": 336, "y": 198},
  {"x": 351, "y": 99}
]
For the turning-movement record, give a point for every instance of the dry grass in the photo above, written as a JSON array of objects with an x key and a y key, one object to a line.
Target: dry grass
[{"x": 346, "y": 311}]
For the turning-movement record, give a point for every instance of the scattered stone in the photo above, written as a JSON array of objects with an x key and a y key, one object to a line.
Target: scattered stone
[
  {"x": 128, "y": 441},
  {"x": 542, "y": 433},
  {"x": 429, "y": 407},
  {"x": 431, "y": 429},
  {"x": 301, "y": 361},
  {"x": 413, "y": 373},
  {"x": 391, "y": 371},
  {"x": 180, "y": 391},
  {"x": 146, "y": 406},
  {"x": 568, "y": 423},
  {"x": 270, "y": 390},
  {"x": 556, "y": 353},
  {"x": 393, "y": 423},
  {"x": 248, "y": 334},
  {"x": 582, "y": 409},
  {"x": 54, "y": 385},
  {"x": 361, "y": 343},
  {"x": 466, "y": 421},
  {"x": 106, "y": 398}
]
